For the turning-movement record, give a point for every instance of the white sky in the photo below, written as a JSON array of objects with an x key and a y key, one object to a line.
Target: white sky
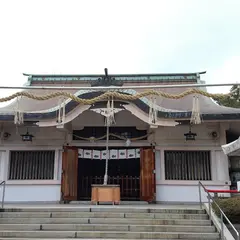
[{"x": 126, "y": 36}]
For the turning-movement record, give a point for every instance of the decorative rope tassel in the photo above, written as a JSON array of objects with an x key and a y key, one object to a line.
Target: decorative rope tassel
[
  {"x": 152, "y": 112},
  {"x": 18, "y": 116},
  {"x": 107, "y": 114},
  {"x": 61, "y": 112},
  {"x": 196, "y": 116},
  {"x": 59, "y": 115},
  {"x": 112, "y": 119},
  {"x": 155, "y": 110}
]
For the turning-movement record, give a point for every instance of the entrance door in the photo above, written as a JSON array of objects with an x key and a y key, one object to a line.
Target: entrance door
[
  {"x": 69, "y": 174},
  {"x": 147, "y": 176},
  {"x": 125, "y": 172},
  {"x": 123, "y": 169}
]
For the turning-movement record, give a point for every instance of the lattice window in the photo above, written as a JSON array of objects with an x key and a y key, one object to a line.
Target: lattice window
[
  {"x": 187, "y": 165},
  {"x": 31, "y": 165}
]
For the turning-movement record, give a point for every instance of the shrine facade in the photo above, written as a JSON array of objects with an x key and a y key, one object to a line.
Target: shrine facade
[{"x": 53, "y": 147}]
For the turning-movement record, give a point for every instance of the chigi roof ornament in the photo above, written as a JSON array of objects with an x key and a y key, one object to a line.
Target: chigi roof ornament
[{"x": 106, "y": 81}]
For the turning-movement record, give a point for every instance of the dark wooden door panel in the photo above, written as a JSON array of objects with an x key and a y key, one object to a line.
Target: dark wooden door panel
[
  {"x": 69, "y": 173},
  {"x": 147, "y": 176}
]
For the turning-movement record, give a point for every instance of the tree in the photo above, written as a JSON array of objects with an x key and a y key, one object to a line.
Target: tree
[{"x": 232, "y": 99}]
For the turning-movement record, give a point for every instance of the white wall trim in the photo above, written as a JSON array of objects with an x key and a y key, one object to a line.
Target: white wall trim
[
  {"x": 56, "y": 162},
  {"x": 190, "y": 183},
  {"x": 213, "y": 165},
  {"x": 59, "y": 173},
  {"x": 179, "y": 147},
  {"x": 6, "y": 165},
  {"x": 162, "y": 165},
  {"x": 19, "y": 147},
  {"x": 33, "y": 182},
  {"x": 2, "y": 156}
]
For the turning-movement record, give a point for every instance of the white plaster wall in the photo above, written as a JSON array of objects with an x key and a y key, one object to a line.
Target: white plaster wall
[
  {"x": 183, "y": 193},
  {"x": 47, "y": 136},
  {"x": 173, "y": 139},
  {"x": 174, "y": 136},
  {"x": 32, "y": 190},
  {"x": 166, "y": 138},
  {"x": 32, "y": 193}
]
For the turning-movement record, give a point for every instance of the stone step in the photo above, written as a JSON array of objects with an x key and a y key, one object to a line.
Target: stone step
[
  {"x": 150, "y": 210},
  {"x": 100, "y": 215},
  {"x": 106, "y": 227},
  {"x": 107, "y": 235},
  {"x": 129, "y": 221},
  {"x": 132, "y": 203},
  {"x": 109, "y": 209},
  {"x": 79, "y": 239}
]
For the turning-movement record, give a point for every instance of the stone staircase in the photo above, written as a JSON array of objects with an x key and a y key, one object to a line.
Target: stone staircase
[{"x": 113, "y": 222}]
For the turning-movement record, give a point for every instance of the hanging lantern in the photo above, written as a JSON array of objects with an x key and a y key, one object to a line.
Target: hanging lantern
[
  {"x": 190, "y": 136},
  {"x": 27, "y": 137}
]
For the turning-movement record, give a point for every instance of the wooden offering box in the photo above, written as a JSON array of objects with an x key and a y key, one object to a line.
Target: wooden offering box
[{"x": 105, "y": 193}]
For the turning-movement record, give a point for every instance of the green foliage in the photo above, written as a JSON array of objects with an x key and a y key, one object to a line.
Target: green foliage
[
  {"x": 231, "y": 207},
  {"x": 228, "y": 102},
  {"x": 232, "y": 100}
]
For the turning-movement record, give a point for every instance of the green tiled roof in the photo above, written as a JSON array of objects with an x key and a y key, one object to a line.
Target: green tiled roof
[{"x": 176, "y": 77}]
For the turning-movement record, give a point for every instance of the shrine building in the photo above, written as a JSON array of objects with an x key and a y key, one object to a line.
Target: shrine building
[{"x": 52, "y": 148}]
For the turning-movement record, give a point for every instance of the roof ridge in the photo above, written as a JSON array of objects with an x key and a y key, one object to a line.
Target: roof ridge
[{"x": 116, "y": 75}]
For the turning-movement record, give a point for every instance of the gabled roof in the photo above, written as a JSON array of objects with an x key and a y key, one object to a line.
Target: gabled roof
[{"x": 167, "y": 108}]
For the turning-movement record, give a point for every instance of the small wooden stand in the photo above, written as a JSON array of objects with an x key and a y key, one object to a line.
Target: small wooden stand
[{"x": 105, "y": 193}]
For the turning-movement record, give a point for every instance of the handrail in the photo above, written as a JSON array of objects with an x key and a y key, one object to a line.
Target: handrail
[
  {"x": 221, "y": 191},
  {"x": 222, "y": 214},
  {"x": 3, "y": 183}
]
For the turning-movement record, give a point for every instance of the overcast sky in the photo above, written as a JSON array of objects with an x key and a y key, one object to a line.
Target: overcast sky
[{"x": 126, "y": 36}]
